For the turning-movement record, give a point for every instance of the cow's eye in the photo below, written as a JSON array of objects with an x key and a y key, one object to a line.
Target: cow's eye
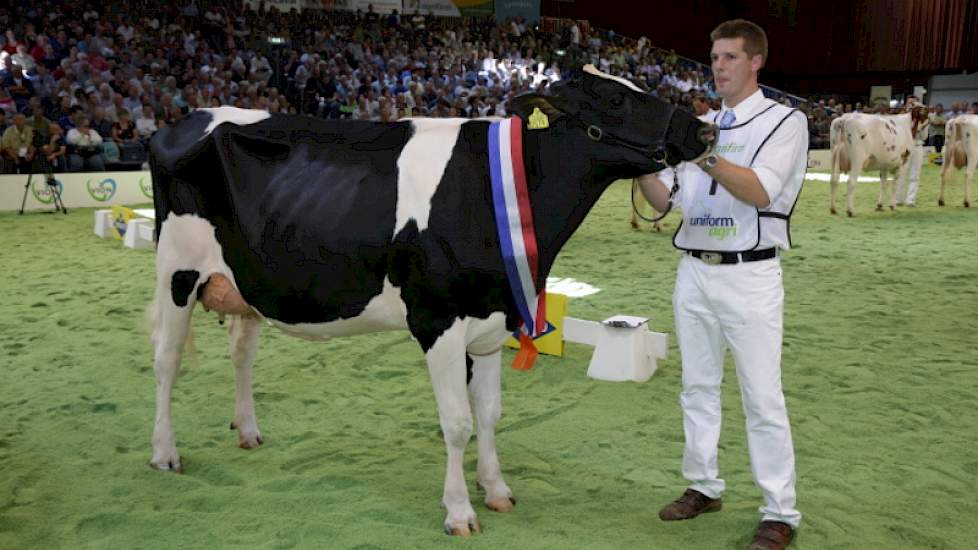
[{"x": 617, "y": 101}]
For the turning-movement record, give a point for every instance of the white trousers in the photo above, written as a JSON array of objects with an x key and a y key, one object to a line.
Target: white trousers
[
  {"x": 907, "y": 194},
  {"x": 738, "y": 306}
]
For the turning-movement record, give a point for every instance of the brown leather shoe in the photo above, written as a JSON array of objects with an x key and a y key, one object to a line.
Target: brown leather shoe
[
  {"x": 772, "y": 535},
  {"x": 690, "y": 505}
]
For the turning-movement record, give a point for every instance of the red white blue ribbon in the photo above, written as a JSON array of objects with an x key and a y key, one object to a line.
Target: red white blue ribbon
[{"x": 514, "y": 223}]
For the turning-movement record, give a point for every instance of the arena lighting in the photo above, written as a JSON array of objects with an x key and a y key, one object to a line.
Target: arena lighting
[
  {"x": 276, "y": 40},
  {"x": 559, "y": 52}
]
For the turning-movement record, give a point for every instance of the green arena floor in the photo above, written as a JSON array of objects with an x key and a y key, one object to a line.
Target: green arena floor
[{"x": 880, "y": 371}]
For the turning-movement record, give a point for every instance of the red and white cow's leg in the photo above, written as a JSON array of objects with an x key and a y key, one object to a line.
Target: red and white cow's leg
[
  {"x": 969, "y": 177},
  {"x": 879, "y": 199},
  {"x": 244, "y": 332},
  {"x": 486, "y": 391},
  {"x": 172, "y": 325},
  {"x": 834, "y": 177},
  {"x": 851, "y": 186},
  {"x": 446, "y": 365},
  {"x": 946, "y": 172}
]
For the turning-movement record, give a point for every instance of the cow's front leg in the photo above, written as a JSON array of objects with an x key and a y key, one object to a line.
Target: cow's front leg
[
  {"x": 446, "y": 364},
  {"x": 486, "y": 393},
  {"x": 968, "y": 180},
  {"x": 244, "y": 347}
]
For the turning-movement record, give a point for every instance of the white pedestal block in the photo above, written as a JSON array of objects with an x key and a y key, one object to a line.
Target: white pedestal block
[
  {"x": 620, "y": 353},
  {"x": 139, "y": 233},
  {"x": 103, "y": 223}
]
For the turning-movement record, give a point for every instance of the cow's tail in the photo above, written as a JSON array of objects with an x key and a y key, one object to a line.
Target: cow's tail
[{"x": 152, "y": 321}]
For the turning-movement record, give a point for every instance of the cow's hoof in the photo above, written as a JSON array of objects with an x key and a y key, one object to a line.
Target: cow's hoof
[
  {"x": 634, "y": 225},
  {"x": 940, "y": 202},
  {"x": 850, "y": 213},
  {"x": 252, "y": 441},
  {"x": 501, "y": 504},
  {"x": 967, "y": 204},
  {"x": 834, "y": 211},
  {"x": 879, "y": 207},
  {"x": 658, "y": 228},
  {"x": 167, "y": 464},
  {"x": 892, "y": 208},
  {"x": 463, "y": 531}
]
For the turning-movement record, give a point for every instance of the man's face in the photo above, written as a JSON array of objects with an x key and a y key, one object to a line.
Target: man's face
[
  {"x": 733, "y": 69},
  {"x": 19, "y": 121}
]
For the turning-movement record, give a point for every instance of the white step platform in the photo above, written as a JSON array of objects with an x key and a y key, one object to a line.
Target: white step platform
[{"x": 623, "y": 349}]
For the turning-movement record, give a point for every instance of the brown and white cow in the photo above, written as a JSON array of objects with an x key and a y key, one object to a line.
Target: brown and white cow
[
  {"x": 862, "y": 142},
  {"x": 961, "y": 151}
]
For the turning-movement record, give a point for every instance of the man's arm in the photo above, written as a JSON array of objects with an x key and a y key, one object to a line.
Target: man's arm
[
  {"x": 741, "y": 182},
  {"x": 655, "y": 190},
  {"x": 763, "y": 182}
]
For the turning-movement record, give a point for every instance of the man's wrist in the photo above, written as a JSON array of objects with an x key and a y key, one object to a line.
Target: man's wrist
[{"x": 708, "y": 163}]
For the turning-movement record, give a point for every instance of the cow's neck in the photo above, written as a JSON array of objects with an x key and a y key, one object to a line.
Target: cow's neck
[{"x": 564, "y": 183}]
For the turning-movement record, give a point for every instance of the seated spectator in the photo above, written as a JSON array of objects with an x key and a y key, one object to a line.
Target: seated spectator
[
  {"x": 85, "y": 147},
  {"x": 18, "y": 146},
  {"x": 55, "y": 149},
  {"x": 20, "y": 88},
  {"x": 125, "y": 136},
  {"x": 37, "y": 120},
  {"x": 146, "y": 123},
  {"x": 101, "y": 124},
  {"x": 7, "y": 105}
]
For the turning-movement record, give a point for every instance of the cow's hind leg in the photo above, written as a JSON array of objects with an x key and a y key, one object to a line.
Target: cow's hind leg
[
  {"x": 486, "y": 392},
  {"x": 446, "y": 364},
  {"x": 879, "y": 200},
  {"x": 244, "y": 346},
  {"x": 174, "y": 306}
]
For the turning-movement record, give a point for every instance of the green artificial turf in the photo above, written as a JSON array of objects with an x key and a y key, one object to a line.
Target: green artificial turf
[{"x": 880, "y": 373}]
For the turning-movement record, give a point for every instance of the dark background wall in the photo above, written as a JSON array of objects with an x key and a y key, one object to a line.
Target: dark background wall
[{"x": 837, "y": 46}]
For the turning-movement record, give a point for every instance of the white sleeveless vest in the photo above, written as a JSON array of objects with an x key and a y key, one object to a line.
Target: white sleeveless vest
[{"x": 713, "y": 219}]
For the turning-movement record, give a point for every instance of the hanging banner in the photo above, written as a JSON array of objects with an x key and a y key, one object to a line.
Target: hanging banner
[
  {"x": 451, "y": 8},
  {"x": 527, "y": 9}
]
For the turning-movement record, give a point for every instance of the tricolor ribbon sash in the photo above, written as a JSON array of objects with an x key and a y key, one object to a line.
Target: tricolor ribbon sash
[{"x": 517, "y": 238}]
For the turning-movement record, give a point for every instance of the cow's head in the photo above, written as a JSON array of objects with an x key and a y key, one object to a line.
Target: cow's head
[{"x": 640, "y": 129}]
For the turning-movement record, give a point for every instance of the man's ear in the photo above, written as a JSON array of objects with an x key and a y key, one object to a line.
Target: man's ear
[
  {"x": 757, "y": 62},
  {"x": 524, "y": 105}
]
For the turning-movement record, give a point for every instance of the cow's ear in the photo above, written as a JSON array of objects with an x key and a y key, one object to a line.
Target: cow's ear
[{"x": 526, "y": 104}]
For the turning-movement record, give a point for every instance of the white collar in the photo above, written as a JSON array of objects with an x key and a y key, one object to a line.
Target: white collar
[{"x": 746, "y": 108}]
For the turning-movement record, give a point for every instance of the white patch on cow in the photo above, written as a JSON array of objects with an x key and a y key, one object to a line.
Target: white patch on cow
[
  {"x": 385, "y": 311},
  {"x": 234, "y": 115},
  {"x": 421, "y": 166},
  {"x": 591, "y": 69},
  {"x": 188, "y": 241}
]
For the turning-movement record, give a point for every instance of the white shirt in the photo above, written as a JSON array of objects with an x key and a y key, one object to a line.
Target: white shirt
[{"x": 780, "y": 165}]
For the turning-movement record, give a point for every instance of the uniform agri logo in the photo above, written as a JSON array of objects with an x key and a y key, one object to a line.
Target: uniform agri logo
[
  {"x": 42, "y": 191},
  {"x": 146, "y": 187},
  {"x": 101, "y": 191}
]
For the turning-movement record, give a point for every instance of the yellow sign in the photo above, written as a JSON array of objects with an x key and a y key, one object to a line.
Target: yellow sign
[
  {"x": 120, "y": 220},
  {"x": 538, "y": 120},
  {"x": 551, "y": 343}
]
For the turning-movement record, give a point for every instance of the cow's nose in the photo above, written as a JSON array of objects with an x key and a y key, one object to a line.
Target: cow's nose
[{"x": 707, "y": 134}]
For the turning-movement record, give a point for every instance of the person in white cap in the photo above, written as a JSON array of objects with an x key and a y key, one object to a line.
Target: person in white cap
[{"x": 736, "y": 205}]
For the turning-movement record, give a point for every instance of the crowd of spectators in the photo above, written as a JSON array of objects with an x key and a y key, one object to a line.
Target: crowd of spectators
[{"x": 85, "y": 85}]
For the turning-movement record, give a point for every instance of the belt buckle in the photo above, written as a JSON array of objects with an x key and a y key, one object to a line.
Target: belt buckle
[{"x": 711, "y": 258}]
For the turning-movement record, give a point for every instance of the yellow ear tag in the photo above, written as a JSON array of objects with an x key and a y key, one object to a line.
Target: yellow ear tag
[{"x": 538, "y": 120}]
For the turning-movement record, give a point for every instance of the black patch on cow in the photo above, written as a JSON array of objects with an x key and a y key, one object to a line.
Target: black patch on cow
[
  {"x": 862, "y": 136},
  {"x": 468, "y": 369},
  {"x": 182, "y": 284}
]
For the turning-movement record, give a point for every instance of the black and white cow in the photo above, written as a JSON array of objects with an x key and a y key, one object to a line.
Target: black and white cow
[{"x": 330, "y": 228}]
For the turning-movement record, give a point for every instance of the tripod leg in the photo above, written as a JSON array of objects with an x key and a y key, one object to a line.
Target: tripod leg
[{"x": 27, "y": 188}]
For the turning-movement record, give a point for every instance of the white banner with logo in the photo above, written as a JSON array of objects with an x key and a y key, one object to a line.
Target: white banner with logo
[
  {"x": 287, "y": 5},
  {"x": 80, "y": 190},
  {"x": 380, "y": 6}
]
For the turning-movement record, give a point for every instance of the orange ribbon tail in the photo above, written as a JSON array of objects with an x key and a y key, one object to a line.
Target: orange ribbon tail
[{"x": 526, "y": 355}]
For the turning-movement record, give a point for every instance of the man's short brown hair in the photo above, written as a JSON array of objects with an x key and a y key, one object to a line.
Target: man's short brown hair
[{"x": 755, "y": 39}]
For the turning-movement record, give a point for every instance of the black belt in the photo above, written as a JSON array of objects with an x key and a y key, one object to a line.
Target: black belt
[{"x": 716, "y": 258}]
